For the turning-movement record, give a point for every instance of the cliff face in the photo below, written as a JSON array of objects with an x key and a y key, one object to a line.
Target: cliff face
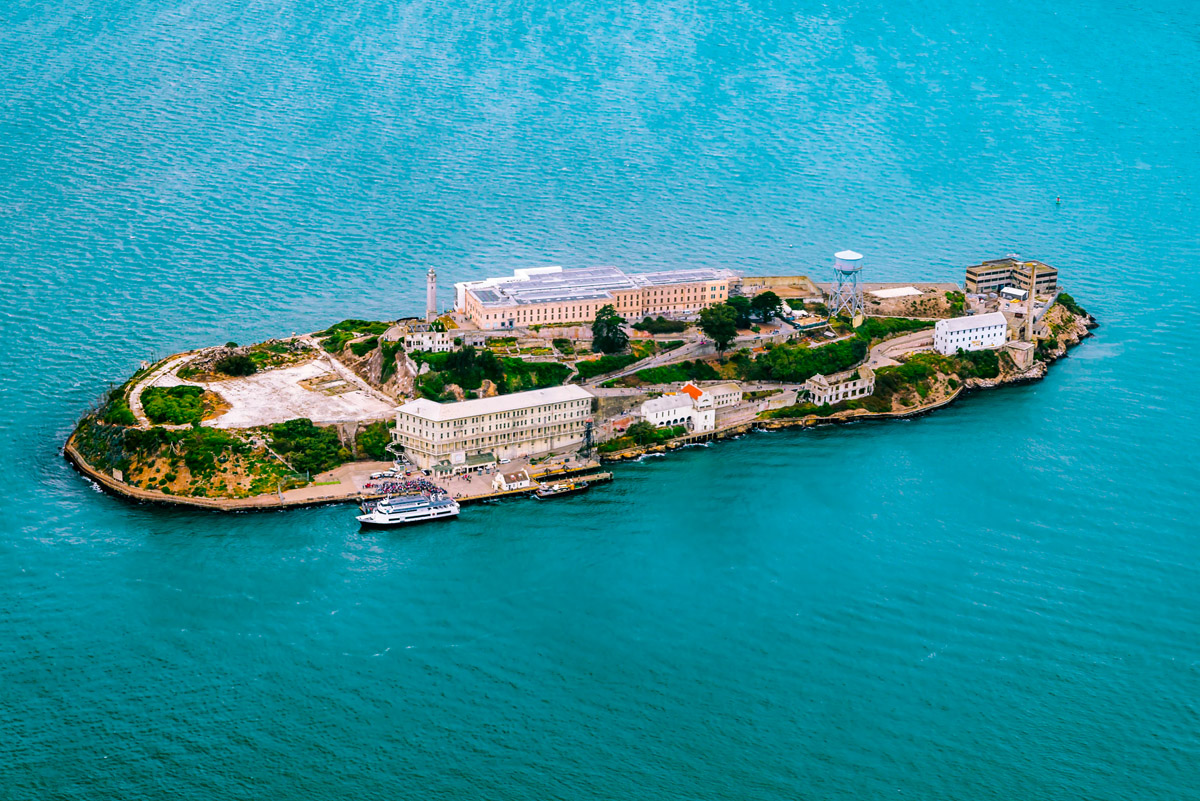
[{"x": 1066, "y": 330}]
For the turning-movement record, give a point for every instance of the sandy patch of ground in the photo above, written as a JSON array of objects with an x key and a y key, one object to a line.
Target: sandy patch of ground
[{"x": 277, "y": 395}]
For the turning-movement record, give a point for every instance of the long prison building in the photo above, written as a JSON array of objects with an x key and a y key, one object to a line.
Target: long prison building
[{"x": 544, "y": 295}]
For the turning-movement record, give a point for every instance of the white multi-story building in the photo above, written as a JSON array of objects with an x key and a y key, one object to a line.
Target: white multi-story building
[
  {"x": 979, "y": 332},
  {"x": 432, "y": 341},
  {"x": 827, "y": 389},
  {"x": 507, "y": 426}
]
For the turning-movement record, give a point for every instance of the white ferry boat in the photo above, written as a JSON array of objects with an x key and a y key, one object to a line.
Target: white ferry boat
[{"x": 401, "y": 510}]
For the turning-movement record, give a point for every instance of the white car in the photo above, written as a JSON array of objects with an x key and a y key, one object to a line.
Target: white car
[{"x": 505, "y": 461}]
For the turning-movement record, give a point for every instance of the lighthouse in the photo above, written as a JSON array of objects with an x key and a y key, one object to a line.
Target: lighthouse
[{"x": 431, "y": 295}]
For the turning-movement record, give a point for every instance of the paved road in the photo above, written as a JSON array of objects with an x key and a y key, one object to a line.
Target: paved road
[{"x": 884, "y": 354}]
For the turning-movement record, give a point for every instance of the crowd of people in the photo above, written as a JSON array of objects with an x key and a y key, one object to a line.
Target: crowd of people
[{"x": 405, "y": 486}]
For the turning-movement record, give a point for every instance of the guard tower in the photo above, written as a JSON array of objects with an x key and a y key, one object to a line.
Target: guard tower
[
  {"x": 847, "y": 294},
  {"x": 431, "y": 295}
]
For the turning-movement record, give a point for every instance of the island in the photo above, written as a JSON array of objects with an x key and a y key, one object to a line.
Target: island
[{"x": 549, "y": 374}]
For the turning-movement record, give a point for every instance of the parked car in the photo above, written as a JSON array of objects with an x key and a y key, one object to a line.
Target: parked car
[{"x": 505, "y": 461}]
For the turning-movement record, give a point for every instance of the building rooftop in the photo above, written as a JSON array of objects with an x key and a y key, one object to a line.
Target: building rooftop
[
  {"x": 975, "y": 321},
  {"x": 556, "y": 285},
  {"x": 423, "y": 407},
  {"x": 666, "y": 402},
  {"x": 693, "y": 391}
]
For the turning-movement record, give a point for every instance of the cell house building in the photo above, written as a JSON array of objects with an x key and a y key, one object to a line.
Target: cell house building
[{"x": 549, "y": 295}]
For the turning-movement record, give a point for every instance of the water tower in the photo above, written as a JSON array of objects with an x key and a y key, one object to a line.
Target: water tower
[{"x": 847, "y": 294}]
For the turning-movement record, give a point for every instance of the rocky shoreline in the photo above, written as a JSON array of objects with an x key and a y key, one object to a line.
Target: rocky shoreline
[
  {"x": 1075, "y": 330},
  {"x": 1067, "y": 328}
]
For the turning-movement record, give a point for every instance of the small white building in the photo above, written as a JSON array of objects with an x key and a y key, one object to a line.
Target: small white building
[
  {"x": 511, "y": 481},
  {"x": 1012, "y": 293},
  {"x": 980, "y": 332},
  {"x": 724, "y": 395},
  {"x": 431, "y": 341},
  {"x": 691, "y": 407},
  {"x": 825, "y": 389},
  {"x": 668, "y": 410}
]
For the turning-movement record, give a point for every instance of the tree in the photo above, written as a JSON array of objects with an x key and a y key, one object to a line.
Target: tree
[
  {"x": 237, "y": 364},
  {"x": 608, "y": 336},
  {"x": 741, "y": 308},
  {"x": 766, "y": 305},
  {"x": 643, "y": 433},
  {"x": 720, "y": 323}
]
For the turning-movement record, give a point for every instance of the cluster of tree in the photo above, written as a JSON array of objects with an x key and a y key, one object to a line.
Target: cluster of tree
[
  {"x": 608, "y": 332},
  {"x": 116, "y": 411},
  {"x": 722, "y": 321},
  {"x": 372, "y": 441},
  {"x": 881, "y": 327},
  {"x": 796, "y": 363},
  {"x": 469, "y": 367},
  {"x": 309, "y": 448},
  {"x": 236, "y": 364},
  {"x": 661, "y": 325},
  {"x": 697, "y": 370},
  {"x": 978, "y": 363},
  {"x": 642, "y": 434},
  {"x": 179, "y": 405}
]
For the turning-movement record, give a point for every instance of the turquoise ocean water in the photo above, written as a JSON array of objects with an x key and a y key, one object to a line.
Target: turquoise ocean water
[{"x": 998, "y": 601}]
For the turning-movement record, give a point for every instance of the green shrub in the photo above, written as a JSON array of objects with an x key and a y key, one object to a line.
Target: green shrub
[
  {"x": 236, "y": 364},
  {"x": 372, "y": 442},
  {"x": 174, "y": 405},
  {"x": 564, "y": 346},
  {"x": 354, "y": 326},
  {"x": 979, "y": 363},
  {"x": 605, "y": 364},
  {"x": 1068, "y": 303},
  {"x": 797, "y": 363},
  {"x": 118, "y": 413},
  {"x": 309, "y": 448},
  {"x": 957, "y": 302},
  {"x": 679, "y": 372},
  {"x": 880, "y": 327},
  {"x": 364, "y": 347},
  {"x": 660, "y": 325},
  {"x": 390, "y": 351},
  {"x": 202, "y": 446}
]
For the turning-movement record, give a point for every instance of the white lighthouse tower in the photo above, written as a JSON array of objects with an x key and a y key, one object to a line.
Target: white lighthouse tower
[{"x": 431, "y": 309}]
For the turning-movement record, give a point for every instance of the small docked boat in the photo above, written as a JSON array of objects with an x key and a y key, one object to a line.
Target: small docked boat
[
  {"x": 561, "y": 488},
  {"x": 402, "y": 510}
]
